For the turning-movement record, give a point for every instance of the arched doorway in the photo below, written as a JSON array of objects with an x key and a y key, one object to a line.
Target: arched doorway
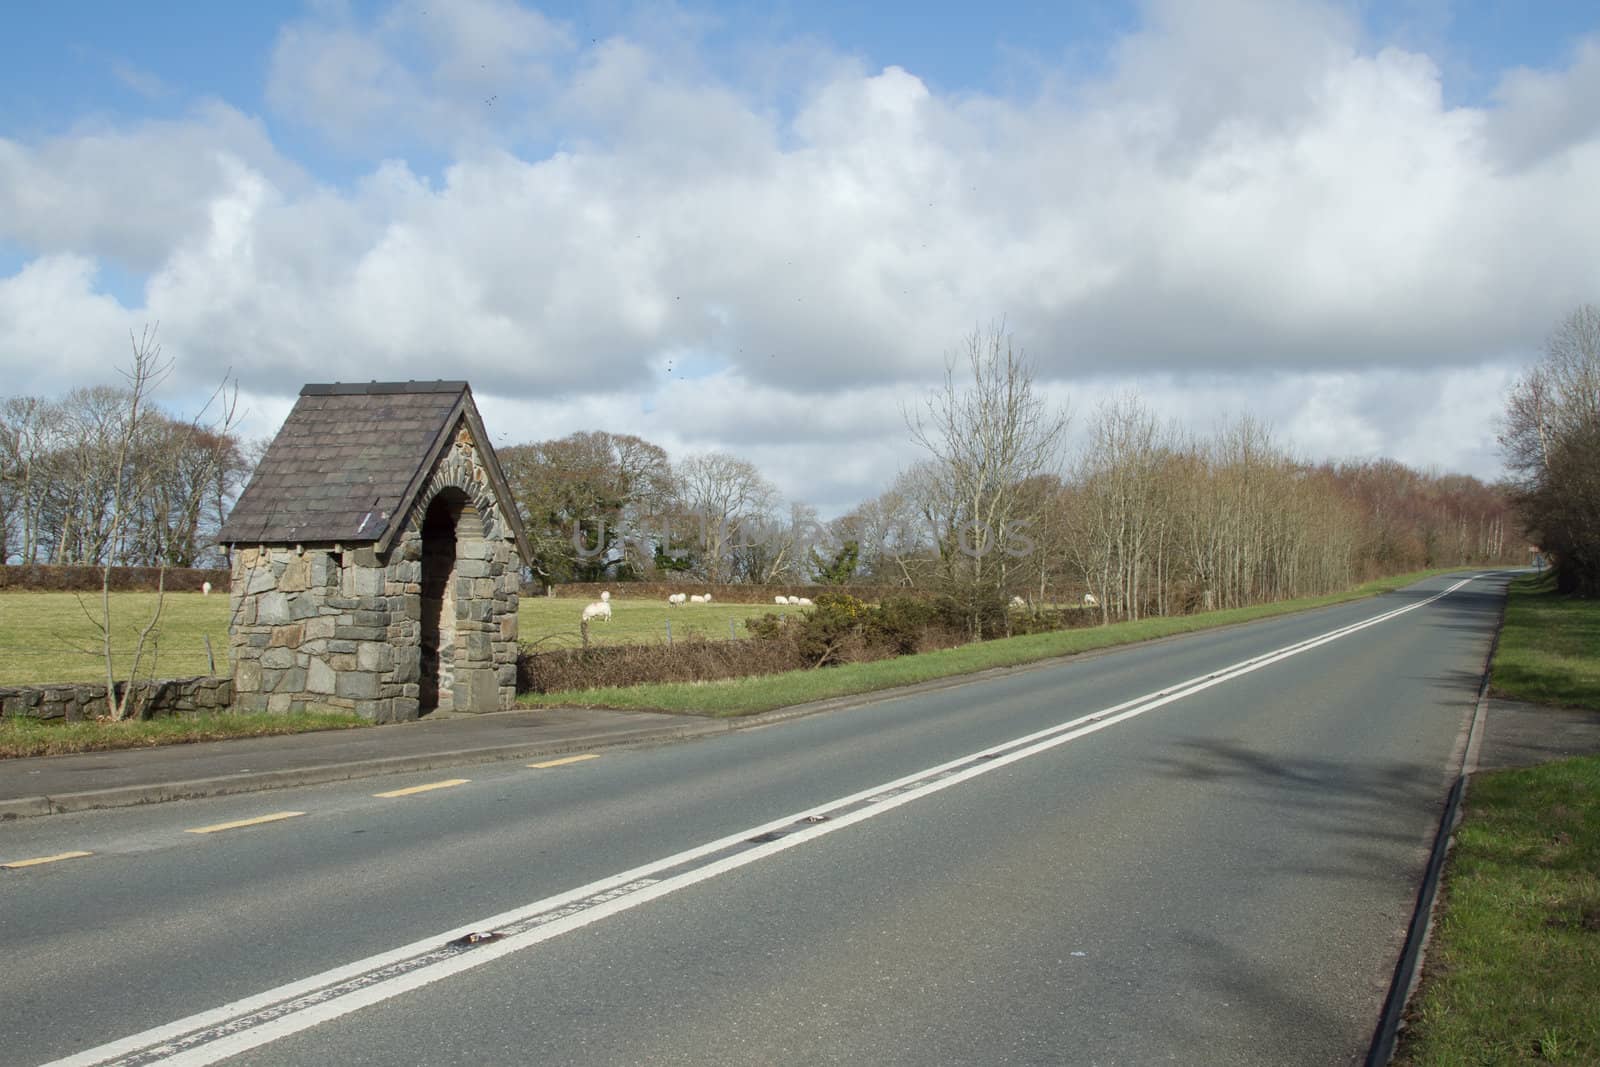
[{"x": 448, "y": 522}]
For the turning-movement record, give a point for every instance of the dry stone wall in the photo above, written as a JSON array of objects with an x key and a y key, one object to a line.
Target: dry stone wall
[{"x": 85, "y": 700}]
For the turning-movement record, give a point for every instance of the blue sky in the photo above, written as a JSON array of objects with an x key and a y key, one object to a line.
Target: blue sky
[{"x": 1359, "y": 219}]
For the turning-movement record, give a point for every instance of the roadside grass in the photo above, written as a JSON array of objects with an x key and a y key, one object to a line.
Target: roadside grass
[
  {"x": 1513, "y": 972},
  {"x": 745, "y": 696},
  {"x": 46, "y": 638},
  {"x": 31, "y": 737},
  {"x": 1550, "y": 647}
]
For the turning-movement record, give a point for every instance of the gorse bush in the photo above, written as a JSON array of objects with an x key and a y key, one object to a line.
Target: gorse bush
[{"x": 843, "y": 629}]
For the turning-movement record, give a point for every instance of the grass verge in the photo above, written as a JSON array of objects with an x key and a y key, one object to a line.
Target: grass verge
[
  {"x": 31, "y": 737},
  {"x": 1513, "y": 973},
  {"x": 744, "y": 696},
  {"x": 1550, "y": 647}
]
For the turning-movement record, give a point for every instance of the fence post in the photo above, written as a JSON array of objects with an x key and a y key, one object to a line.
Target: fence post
[
  {"x": 669, "y": 633},
  {"x": 731, "y": 635},
  {"x": 583, "y": 629},
  {"x": 210, "y": 658}
]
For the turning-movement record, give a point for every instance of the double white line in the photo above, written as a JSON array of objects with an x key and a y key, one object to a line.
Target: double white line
[{"x": 245, "y": 1024}]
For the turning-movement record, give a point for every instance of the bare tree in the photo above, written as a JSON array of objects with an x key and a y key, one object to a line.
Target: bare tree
[
  {"x": 1551, "y": 438},
  {"x": 987, "y": 432},
  {"x": 129, "y": 482},
  {"x": 723, "y": 496}
]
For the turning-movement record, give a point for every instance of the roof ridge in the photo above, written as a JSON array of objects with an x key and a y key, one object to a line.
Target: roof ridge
[{"x": 376, "y": 388}]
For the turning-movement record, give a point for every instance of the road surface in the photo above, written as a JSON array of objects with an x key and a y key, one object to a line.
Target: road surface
[{"x": 1202, "y": 850}]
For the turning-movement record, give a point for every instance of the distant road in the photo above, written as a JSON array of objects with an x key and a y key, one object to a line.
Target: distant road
[{"x": 1061, "y": 865}]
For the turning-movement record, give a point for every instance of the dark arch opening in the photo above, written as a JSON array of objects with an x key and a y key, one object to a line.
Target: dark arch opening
[{"x": 441, "y": 528}]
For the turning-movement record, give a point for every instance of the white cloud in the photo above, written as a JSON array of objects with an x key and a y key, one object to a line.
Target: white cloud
[
  {"x": 439, "y": 75},
  {"x": 1544, "y": 113},
  {"x": 128, "y": 194},
  {"x": 57, "y": 330},
  {"x": 1252, "y": 210}
]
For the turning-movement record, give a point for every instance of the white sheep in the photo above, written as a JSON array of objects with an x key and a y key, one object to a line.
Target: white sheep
[
  {"x": 205, "y": 588},
  {"x": 794, "y": 600},
  {"x": 599, "y": 609},
  {"x": 780, "y": 600},
  {"x": 697, "y": 599},
  {"x": 1090, "y": 600},
  {"x": 677, "y": 598},
  {"x": 805, "y": 602},
  {"x": 1018, "y": 602}
]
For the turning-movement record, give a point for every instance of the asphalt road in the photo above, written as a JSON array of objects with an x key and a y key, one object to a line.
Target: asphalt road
[{"x": 1223, "y": 877}]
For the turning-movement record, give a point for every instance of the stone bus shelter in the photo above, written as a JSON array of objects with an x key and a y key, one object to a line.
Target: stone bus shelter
[{"x": 376, "y": 558}]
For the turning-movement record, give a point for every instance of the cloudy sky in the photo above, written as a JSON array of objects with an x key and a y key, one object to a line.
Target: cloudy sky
[{"x": 763, "y": 231}]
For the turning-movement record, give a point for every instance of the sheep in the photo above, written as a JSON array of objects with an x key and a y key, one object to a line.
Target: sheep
[
  {"x": 599, "y": 609},
  {"x": 677, "y": 598},
  {"x": 697, "y": 599},
  {"x": 606, "y": 595},
  {"x": 1018, "y": 602},
  {"x": 1090, "y": 600},
  {"x": 794, "y": 600},
  {"x": 205, "y": 588},
  {"x": 805, "y": 602},
  {"x": 780, "y": 600}
]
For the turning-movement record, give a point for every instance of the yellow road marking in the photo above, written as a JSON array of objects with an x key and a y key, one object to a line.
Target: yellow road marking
[
  {"x": 565, "y": 760},
  {"x": 257, "y": 821},
  {"x": 14, "y": 864},
  {"x": 446, "y": 784}
]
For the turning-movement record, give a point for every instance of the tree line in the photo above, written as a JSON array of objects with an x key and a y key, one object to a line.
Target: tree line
[
  {"x": 63, "y": 461},
  {"x": 1145, "y": 517}
]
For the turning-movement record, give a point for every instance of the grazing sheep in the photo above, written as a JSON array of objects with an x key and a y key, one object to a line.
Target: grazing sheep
[
  {"x": 599, "y": 609},
  {"x": 780, "y": 600},
  {"x": 1018, "y": 602},
  {"x": 805, "y": 602},
  {"x": 794, "y": 600},
  {"x": 1090, "y": 600},
  {"x": 677, "y": 598},
  {"x": 697, "y": 599},
  {"x": 205, "y": 588}
]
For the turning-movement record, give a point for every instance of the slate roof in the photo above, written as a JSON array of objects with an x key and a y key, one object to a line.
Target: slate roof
[{"x": 351, "y": 459}]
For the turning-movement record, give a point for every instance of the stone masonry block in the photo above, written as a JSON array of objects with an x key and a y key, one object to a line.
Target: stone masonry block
[
  {"x": 356, "y": 685},
  {"x": 296, "y": 576},
  {"x": 320, "y": 678},
  {"x": 272, "y": 609},
  {"x": 374, "y": 656},
  {"x": 277, "y": 658},
  {"x": 247, "y": 677},
  {"x": 288, "y": 636}
]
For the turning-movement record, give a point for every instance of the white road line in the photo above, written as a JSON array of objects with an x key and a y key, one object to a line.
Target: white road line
[{"x": 226, "y": 1031}]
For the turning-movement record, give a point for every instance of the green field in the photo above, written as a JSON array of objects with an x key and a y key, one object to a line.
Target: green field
[
  {"x": 552, "y": 622},
  {"x": 46, "y": 637}
]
